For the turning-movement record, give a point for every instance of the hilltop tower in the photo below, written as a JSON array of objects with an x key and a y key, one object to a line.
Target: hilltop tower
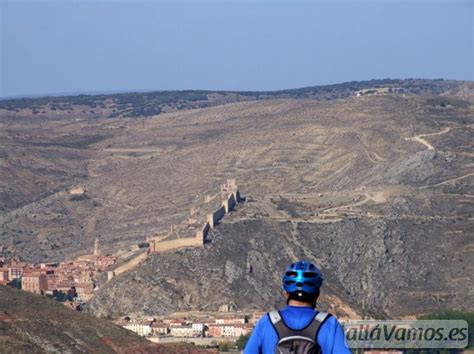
[{"x": 96, "y": 247}]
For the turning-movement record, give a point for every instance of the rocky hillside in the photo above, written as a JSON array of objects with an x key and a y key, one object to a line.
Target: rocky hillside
[
  {"x": 35, "y": 324},
  {"x": 377, "y": 188},
  {"x": 387, "y": 264}
]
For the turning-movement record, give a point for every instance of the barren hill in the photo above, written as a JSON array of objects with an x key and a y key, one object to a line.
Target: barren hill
[
  {"x": 377, "y": 188},
  {"x": 34, "y": 324}
]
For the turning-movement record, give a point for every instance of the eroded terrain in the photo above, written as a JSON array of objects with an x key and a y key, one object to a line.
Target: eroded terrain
[{"x": 377, "y": 189}]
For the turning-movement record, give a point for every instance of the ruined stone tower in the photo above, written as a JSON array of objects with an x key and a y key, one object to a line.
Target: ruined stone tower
[{"x": 97, "y": 247}]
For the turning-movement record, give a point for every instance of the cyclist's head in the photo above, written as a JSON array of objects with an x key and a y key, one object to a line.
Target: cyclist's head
[{"x": 302, "y": 281}]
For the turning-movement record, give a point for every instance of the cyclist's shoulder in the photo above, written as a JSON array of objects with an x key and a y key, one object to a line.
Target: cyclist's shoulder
[
  {"x": 329, "y": 324},
  {"x": 327, "y": 318}
]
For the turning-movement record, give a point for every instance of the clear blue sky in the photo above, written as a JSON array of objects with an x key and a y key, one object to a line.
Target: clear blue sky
[{"x": 90, "y": 46}]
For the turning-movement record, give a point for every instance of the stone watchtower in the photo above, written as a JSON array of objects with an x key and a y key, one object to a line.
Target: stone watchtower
[{"x": 96, "y": 247}]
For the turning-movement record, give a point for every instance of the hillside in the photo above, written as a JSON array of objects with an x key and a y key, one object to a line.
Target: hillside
[
  {"x": 375, "y": 188},
  {"x": 145, "y": 104},
  {"x": 383, "y": 265},
  {"x": 35, "y": 324}
]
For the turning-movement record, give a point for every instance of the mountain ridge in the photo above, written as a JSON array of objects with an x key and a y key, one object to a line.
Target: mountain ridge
[{"x": 150, "y": 103}]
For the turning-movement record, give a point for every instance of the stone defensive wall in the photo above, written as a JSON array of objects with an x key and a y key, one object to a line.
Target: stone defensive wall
[
  {"x": 132, "y": 263},
  {"x": 156, "y": 246},
  {"x": 236, "y": 194},
  {"x": 229, "y": 203},
  {"x": 201, "y": 234},
  {"x": 164, "y": 246},
  {"x": 215, "y": 217}
]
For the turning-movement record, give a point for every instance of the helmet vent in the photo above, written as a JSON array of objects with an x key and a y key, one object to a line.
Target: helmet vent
[{"x": 310, "y": 275}]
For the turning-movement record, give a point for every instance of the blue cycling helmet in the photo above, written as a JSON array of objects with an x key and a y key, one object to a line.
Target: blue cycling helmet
[{"x": 302, "y": 276}]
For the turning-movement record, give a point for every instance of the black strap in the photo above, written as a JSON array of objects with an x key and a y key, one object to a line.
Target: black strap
[{"x": 310, "y": 331}]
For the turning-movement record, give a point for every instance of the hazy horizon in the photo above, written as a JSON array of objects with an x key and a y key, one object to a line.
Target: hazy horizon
[
  {"x": 85, "y": 48},
  {"x": 111, "y": 92}
]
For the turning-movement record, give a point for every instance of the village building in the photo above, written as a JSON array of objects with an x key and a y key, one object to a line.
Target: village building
[
  {"x": 85, "y": 291},
  {"x": 49, "y": 266},
  {"x": 226, "y": 308},
  {"x": 234, "y": 330},
  {"x": 34, "y": 282},
  {"x": 174, "y": 321},
  {"x": 142, "y": 328},
  {"x": 78, "y": 275},
  {"x": 64, "y": 286},
  {"x": 231, "y": 319},
  {"x": 16, "y": 269},
  {"x": 198, "y": 328},
  {"x": 228, "y": 331},
  {"x": 4, "y": 278},
  {"x": 240, "y": 330},
  {"x": 186, "y": 330},
  {"x": 159, "y": 329},
  {"x": 215, "y": 330}
]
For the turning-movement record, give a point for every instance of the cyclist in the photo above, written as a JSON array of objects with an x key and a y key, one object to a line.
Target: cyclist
[{"x": 298, "y": 327}]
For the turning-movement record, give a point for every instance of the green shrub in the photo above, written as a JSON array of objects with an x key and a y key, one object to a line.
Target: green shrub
[{"x": 242, "y": 341}]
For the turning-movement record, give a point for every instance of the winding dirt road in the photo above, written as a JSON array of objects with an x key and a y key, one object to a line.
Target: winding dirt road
[{"x": 420, "y": 138}]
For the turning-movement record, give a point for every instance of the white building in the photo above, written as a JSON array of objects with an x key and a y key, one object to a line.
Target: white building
[
  {"x": 182, "y": 331},
  {"x": 234, "y": 330},
  {"x": 228, "y": 331},
  {"x": 231, "y": 319},
  {"x": 198, "y": 327},
  {"x": 159, "y": 328},
  {"x": 142, "y": 328}
]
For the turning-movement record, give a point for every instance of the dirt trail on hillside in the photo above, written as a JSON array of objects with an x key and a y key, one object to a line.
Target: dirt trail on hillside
[
  {"x": 367, "y": 197},
  {"x": 420, "y": 138},
  {"x": 448, "y": 181}
]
